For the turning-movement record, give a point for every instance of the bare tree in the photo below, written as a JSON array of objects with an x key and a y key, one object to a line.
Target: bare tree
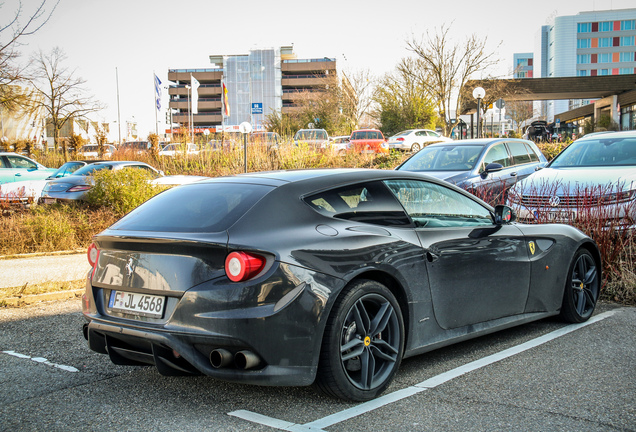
[
  {"x": 445, "y": 66},
  {"x": 519, "y": 112},
  {"x": 12, "y": 33},
  {"x": 356, "y": 98},
  {"x": 59, "y": 92}
]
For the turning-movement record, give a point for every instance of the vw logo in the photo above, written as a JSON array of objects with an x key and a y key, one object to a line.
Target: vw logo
[{"x": 554, "y": 201}]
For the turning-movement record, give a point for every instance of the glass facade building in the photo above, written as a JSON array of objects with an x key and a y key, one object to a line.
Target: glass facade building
[{"x": 595, "y": 43}]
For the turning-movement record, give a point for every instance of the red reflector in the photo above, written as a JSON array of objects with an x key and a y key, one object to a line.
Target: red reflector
[
  {"x": 241, "y": 266},
  {"x": 79, "y": 188},
  {"x": 93, "y": 254}
]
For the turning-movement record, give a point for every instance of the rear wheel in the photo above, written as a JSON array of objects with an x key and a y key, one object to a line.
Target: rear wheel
[
  {"x": 363, "y": 343},
  {"x": 415, "y": 148},
  {"x": 582, "y": 289}
]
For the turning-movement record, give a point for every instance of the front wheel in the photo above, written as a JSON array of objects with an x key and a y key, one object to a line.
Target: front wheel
[
  {"x": 582, "y": 289},
  {"x": 363, "y": 343}
]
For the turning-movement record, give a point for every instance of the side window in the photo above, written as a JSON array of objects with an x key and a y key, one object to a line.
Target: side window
[
  {"x": 431, "y": 205},
  {"x": 533, "y": 156},
  {"x": 519, "y": 153},
  {"x": 367, "y": 202},
  {"x": 19, "y": 162},
  {"x": 497, "y": 154},
  {"x": 2, "y": 164}
]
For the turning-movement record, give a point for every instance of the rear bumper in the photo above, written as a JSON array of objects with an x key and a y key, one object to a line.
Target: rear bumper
[{"x": 281, "y": 326}]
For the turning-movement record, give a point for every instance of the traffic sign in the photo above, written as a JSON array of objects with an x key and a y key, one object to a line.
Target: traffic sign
[
  {"x": 257, "y": 108},
  {"x": 500, "y": 103}
]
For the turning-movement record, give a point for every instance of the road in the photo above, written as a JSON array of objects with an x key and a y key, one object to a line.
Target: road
[
  {"x": 543, "y": 376},
  {"x": 38, "y": 269}
]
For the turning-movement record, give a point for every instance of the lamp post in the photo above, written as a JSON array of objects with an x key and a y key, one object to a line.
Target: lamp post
[
  {"x": 245, "y": 128},
  {"x": 479, "y": 94}
]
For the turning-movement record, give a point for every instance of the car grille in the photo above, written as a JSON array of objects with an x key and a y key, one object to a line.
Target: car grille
[
  {"x": 573, "y": 201},
  {"x": 560, "y": 201}
]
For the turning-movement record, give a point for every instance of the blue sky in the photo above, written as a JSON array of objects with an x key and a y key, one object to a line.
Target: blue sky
[{"x": 139, "y": 37}]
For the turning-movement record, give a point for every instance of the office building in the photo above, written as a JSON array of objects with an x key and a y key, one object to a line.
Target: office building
[
  {"x": 257, "y": 83},
  {"x": 592, "y": 43}
]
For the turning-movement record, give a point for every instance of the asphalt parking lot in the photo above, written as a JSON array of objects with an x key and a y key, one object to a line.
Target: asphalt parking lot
[{"x": 540, "y": 376}]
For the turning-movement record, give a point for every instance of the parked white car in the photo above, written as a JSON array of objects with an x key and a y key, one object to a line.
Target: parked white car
[
  {"x": 415, "y": 139},
  {"x": 339, "y": 144},
  {"x": 175, "y": 149},
  {"x": 593, "y": 176},
  {"x": 90, "y": 151}
]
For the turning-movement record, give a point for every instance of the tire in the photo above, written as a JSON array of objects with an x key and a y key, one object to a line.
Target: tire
[
  {"x": 582, "y": 288},
  {"x": 415, "y": 148},
  {"x": 363, "y": 343}
]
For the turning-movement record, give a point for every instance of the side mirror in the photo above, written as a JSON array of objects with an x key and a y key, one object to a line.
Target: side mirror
[
  {"x": 504, "y": 215},
  {"x": 490, "y": 168}
]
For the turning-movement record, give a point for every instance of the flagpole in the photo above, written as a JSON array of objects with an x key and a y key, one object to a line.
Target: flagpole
[
  {"x": 154, "y": 81},
  {"x": 118, "y": 115}
]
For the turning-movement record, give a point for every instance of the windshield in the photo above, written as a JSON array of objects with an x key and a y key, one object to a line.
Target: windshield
[
  {"x": 403, "y": 133},
  {"x": 366, "y": 135},
  {"x": 311, "y": 135},
  {"x": 89, "y": 169},
  {"x": 598, "y": 152},
  {"x": 444, "y": 158}
]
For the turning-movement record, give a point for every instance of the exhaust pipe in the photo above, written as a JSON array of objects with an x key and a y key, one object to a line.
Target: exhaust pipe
[
  {"x": 85, "y": 331},
  {"x": 220, "y": 358},
  {"x": 246, "y": 360}
]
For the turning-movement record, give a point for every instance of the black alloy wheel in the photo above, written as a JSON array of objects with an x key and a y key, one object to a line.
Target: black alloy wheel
[
  {"x": 582, "y": 289},
  {"x": 363, "y": 343}
]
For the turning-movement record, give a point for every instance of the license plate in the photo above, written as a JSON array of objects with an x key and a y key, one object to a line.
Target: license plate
[
  {"x": 563, "y": 216},
  {"x": 49, "y": 200},
  {"x": 138, "y": 304}
]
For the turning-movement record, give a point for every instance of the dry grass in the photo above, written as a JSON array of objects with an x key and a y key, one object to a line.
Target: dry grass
[
  {"x": 46, "y": 287},
  {"x": 51, "y": 228}
]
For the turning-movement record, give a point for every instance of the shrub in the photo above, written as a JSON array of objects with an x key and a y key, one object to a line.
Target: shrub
[{"x": 121, "y": 190}]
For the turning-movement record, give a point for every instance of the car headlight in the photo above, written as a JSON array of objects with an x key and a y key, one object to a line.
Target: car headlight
[{"x": 618, "y": 197}]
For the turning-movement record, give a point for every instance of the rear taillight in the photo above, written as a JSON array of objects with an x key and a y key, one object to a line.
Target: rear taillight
[
  {"x": 242, "y": 266},
  {"x": 400, "y": 139},
  {"x": 93, "y": 256},
  {"x": 79, "y": 188}
]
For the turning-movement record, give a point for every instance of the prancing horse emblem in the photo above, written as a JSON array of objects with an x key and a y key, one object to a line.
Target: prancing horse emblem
[
  {"x": 532, "y": 248},
  {"x": 129, "y": 267}
]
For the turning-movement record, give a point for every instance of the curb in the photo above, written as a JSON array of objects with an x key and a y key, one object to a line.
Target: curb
[
  {"x": 25, "y": 300},
  {"x": 39, "y": 254}
]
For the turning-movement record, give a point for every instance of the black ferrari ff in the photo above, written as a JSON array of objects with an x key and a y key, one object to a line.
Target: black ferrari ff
[{"x": 329, "y": 277}]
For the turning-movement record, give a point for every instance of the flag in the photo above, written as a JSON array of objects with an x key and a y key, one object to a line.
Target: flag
[
  {"x": 195, "y": 94},
  {"x": 226, "y": 102},
  {"x": 158, "y": 92}
]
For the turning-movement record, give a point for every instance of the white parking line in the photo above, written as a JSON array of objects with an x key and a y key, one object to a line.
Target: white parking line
[
  {"x": 41, "y": 360},
  {"x": 330, "y": 420}
]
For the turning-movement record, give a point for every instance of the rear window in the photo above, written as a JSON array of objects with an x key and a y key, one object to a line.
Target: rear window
[
  {"x": 91, "y": 168},
  {"x": 203, "y": 207}
]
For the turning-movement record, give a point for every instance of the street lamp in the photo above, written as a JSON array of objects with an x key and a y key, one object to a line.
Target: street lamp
[
  {"x": 479, "y": 94},
  {"x": 245, "y": 128}
]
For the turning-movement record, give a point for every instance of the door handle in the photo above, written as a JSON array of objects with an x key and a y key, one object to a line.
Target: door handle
[{"x": 514, "y": 174}]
